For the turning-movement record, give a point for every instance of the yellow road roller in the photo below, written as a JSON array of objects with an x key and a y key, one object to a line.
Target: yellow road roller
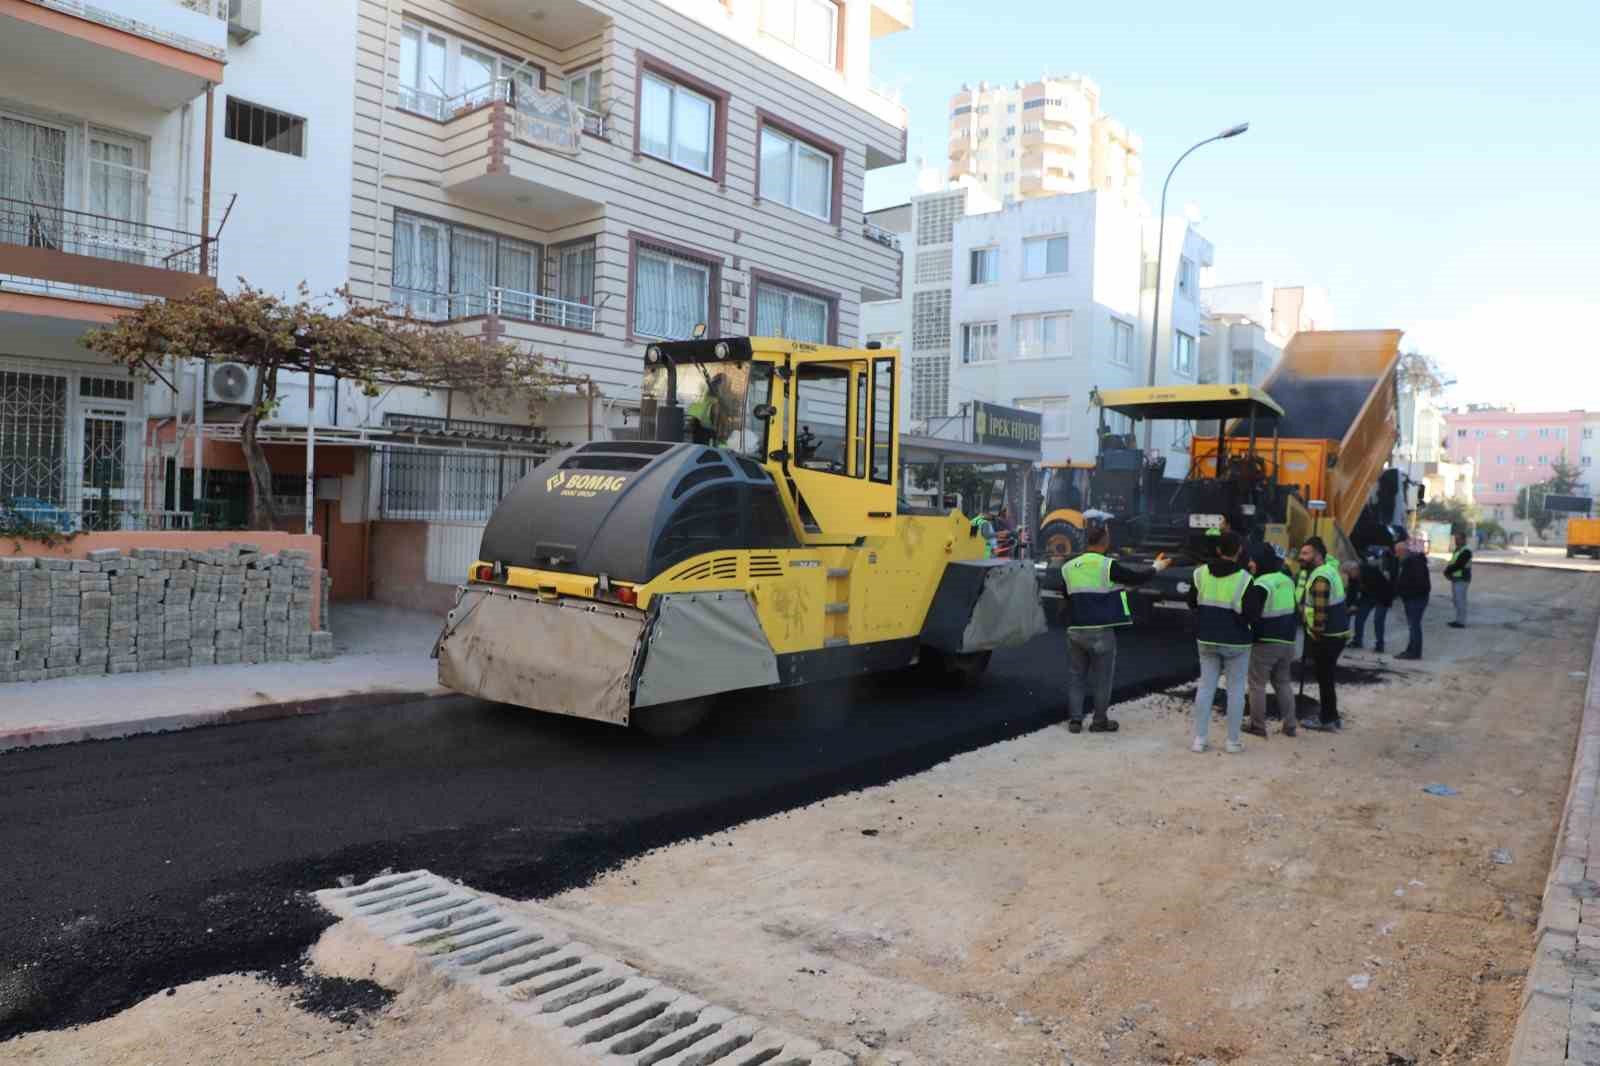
[{"x": 754, "y": 538}]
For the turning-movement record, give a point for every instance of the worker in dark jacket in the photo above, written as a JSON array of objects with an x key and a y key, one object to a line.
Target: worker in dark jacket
[
  {"x": 1327, "y": 625},
  {"x": 1376, "y": 596},
  {"x": 1224, "y": 637},
  {"x": 1097, "y": 606},
  {"x": 1459, "y": 573},
  {"x": 1412, "y": 587}
]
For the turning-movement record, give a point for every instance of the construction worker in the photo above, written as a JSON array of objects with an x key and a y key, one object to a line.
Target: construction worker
[
  {"x": 1096, "y": 609},
  {"x": 1459, "y": 573},
  {"x": 1005, "y": 535},
  {"x": 1223, "y": 633},
  {"x": 1327, "y": 626},
  {"x": 1270, "y": 599},
  {"x": 1412, "y": 587},
  {"x": 706, "y": 411},
  {"x": 982, "y": 527}
]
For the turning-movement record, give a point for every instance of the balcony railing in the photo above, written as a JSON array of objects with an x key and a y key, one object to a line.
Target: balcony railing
[
  {"x": 496, "y": 300},
  {"x": 546, "y": 118},
  {"x": 29, "y": 224},
  {"x": 874, "y": 232},
  {"x": 114, "y": 14}
]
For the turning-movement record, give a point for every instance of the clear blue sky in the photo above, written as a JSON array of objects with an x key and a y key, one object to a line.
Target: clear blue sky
[{"x": 1433, "y": 165}]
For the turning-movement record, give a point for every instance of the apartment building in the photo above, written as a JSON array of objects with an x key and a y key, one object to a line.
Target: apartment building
[
  {"x": 583, "y": 177},
  {"x": 1046, "y": 309},
  {"x": 1181, "y": 257},
  {"x": 1043, "y": 138},
  {"x": 918, "y": 320},
  {"x": 1511, "y": 450},
  {"x": 104, "y": 204},
  {"x": 1247, "y": 325}
]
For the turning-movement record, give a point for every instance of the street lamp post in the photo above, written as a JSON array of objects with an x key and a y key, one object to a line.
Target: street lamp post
[{"x": 1161, "y": 247}]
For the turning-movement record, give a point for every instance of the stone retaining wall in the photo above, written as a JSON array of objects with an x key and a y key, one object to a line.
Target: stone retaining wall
[{"x": 158, "y": 609}]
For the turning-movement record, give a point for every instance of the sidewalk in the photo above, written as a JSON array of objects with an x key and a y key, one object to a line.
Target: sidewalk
[
  {"x": 1538, "y": 556},
  {"x": 380, "y": 655}
]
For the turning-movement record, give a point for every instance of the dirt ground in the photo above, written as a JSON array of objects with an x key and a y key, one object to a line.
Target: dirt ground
[{"x": 1072, "y": 899}]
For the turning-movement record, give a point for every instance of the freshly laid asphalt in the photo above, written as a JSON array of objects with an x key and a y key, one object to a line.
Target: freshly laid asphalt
[{"x": 138, "y": 864}]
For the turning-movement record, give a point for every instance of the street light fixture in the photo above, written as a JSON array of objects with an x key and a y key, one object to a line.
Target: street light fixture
[{"x": 1161, "y": 243}]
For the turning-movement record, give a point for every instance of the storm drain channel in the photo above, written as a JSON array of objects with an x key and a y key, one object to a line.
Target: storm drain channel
[{"x": 586, "y": 1000}]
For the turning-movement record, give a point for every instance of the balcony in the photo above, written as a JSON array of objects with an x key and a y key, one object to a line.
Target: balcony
[
  {"x": 878, "y": 235},
  {"x": 520, "y": 150},
  {"x": 62, "y": 254},
  {"x": 891, "y": 16},
  {"x": 158, "y": 52},
  {"x": 495, "y": 300}
]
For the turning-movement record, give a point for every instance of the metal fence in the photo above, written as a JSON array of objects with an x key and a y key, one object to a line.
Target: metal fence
[
  {"x": 425, "y": 484},
  {"x": 34, "y": 224}
]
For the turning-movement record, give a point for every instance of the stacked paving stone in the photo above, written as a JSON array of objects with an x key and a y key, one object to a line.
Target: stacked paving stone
[{"x": 158, "y": 609}]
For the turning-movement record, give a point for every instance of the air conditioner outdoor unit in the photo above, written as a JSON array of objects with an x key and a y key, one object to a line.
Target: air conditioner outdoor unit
[
  {"x": 244, "y": 19},
  {"x": 230, "y": 383}
]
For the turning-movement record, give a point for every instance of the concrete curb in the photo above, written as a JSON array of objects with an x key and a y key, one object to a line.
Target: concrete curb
[
  {"x": 1560, "y": 1017},
  {"x": 1566, "y": 569},
  {"x": 44, "y": 735}
]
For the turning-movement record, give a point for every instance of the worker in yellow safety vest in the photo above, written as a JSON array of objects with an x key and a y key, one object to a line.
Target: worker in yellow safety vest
[
  {"x": 1327, "y": 627},
  {"x": 1223, "y": 636},
  {"x": 1097, "y": 606}
]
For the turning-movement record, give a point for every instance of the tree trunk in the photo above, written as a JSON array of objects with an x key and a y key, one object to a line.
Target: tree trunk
[{"x": 263, "y": 503}]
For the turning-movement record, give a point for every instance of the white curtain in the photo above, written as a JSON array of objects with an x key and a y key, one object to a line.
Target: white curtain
[
  {"x": 575, "y": 285},
  {"x": 770, "y": 307},
  {"x": 655, "y": 118},
  {"x": 691, "y": 131},
  {"x": 775, "y": 166},
  {"x": 813, "y": 183},
  {"x": 651, "y": 306},
  {"x": 519, "y": 267},
  {"x": 689, "y": 300},
  {"x": 419, "y": 259},
  {"x": 791, "y": 315},
  {"x": 33, "y": 168},
  {"x": 471, "y": 272}
]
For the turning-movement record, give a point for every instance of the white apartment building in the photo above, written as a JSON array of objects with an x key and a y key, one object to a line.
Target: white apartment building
[
  {"x": 1045, "y": 309},
  {"x": 918, "y": 321},
  {"x": 1183, "y": 257},
  {"x": 1043, "y": 138},
  {"x": 1248, "y": 323}
]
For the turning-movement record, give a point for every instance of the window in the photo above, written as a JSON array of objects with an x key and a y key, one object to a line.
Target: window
[
  {"x": 882, "y": 468},
  {"x": 119, "y": 179},
  {"x": 677, "y": 124},
  {"x": 1478, "y": 433},
  {"x": 584, "y": 87},
  {"x": 822, "y": 417},
  {"x": 1499, "y": 486},
  {"x": 1522, "y": 434},
  {"x": 1461, "y": 433},
  {"x": 1033, "y": 127},
  {"x": 1588, "y": 434},
  {"x": 1011, "y": 131},
  {"x": 1588, "y": 460},
  {"x": 1044, "y": 255},
  {"x": 573, "y": 265},
  {"x": 811, "y": 27},
  {"x": 1009, "y": 178},
  {"x": 439, "y": 73},
  {"x": 979, "y": 342},
  {"x": 1041, "y": 336},
  {"x": 1055, "y": 414},
  {"x": 1544, "y": 431},
  {"x": 1544, "y": 460},
  {"x": 1186, "y": 279},
  {"x": 1499, "y": 460},
  {"x": 1522, "y": 460},
  {"x": 1011, "y": 109},
  {"x": 1182, "y": 354},
  {"x": 275, "y": 131},
  {"x": 444, "y": 271},
  {"x": 930, "y": 319},
  {"x": 1121, "y": 342},
  {"x": 965, "y": 109},
  {"x": 796, "y": 174},
  {"x": 985, "y": 266},
  {"x": 784, "y": 312},
  {"x": 671, "y": 295}
]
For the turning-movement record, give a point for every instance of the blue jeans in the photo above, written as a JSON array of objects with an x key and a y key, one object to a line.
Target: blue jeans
[
  {"x": 1381, "y": 612},
  {"x": 1217, "y": 661},
  {"x": 1414, "y": 609}
]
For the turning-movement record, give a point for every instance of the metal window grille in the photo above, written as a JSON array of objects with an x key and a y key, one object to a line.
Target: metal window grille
[
  {"x": 930, "y": 319},
  {"x": 425, "y": 484},
  {"x": 33, "y": 439}
]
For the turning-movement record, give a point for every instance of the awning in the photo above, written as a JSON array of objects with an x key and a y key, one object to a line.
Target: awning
[{"x": 917, "y": 448}]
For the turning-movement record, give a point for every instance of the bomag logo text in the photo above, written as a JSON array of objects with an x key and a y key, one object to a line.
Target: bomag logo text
[{"x": 583, "y": 485}]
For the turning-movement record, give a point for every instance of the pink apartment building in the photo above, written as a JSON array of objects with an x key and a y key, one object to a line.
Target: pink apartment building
[{"x": 1513, "y": 449}]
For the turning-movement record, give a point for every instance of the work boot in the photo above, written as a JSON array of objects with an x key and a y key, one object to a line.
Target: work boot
[
  {"x": 1255, "y": 730},
  {"x": 1408, "y": 655},
  {"x": 1290, "y": 730},
  {"x": 1456, "y": 625},
  {"x": 1075, "y": 725},
  {"x": 1104, "y": 725}
]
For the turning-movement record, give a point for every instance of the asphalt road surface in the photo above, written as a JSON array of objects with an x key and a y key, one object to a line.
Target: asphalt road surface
[{"x": 138, "y": 864}]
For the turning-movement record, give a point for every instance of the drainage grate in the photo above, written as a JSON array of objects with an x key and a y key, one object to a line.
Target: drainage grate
[{"x": 587, "y": 1000}]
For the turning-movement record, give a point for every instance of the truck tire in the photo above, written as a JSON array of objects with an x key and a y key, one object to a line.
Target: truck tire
[
  {"x": 1060, "y": 540},
  {"x": 668, "y": 721},
  {"x": 965, "y": 670}
]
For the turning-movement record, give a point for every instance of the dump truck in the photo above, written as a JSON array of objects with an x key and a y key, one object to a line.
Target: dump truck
[
  {"x": 754, "y": 538},
  {"x": 1583, "y": 537},
  {"x": 1302, "y": 455}
]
